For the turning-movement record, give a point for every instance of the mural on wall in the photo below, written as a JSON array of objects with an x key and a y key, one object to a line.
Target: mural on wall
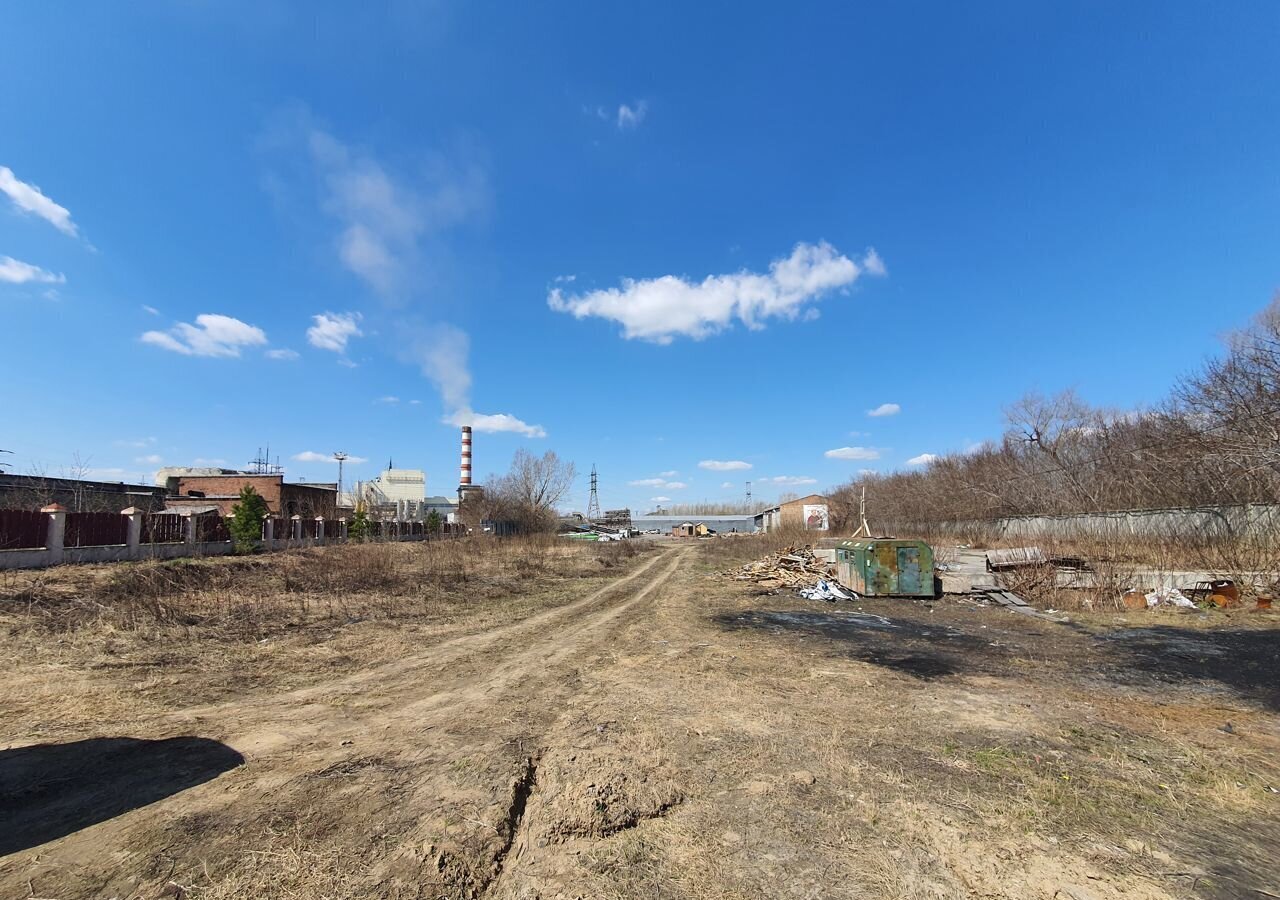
[{"x": 815, "y": 517}]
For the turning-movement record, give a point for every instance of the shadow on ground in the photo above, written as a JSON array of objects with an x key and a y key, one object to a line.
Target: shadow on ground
[
  {"x": 922, "y": 651},
  {"x": 51, "y": 790},
  {"x": 1246, "y": 661}
]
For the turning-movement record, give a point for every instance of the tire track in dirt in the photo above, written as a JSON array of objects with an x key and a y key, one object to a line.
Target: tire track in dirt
[
  {"x": 405, "y": 691},
  {"x": 396, "y": 728}
]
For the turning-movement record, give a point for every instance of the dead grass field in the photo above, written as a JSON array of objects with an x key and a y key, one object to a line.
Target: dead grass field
[
  {"x": 141, "y": 639},
  {"x": 543, "y": 721}
]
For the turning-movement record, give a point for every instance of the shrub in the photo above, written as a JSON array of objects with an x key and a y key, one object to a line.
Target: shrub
[
  {"x": 358, "y": 528},
  {"x": 246, "y": 520}
]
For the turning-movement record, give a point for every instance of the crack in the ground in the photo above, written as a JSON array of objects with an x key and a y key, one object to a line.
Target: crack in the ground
[{"x": 522, "y": 787}]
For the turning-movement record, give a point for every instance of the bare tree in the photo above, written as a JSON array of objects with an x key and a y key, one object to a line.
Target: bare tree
[
  {"x": 530, "y": 491},
  {"x": 1214, "y": 442}
]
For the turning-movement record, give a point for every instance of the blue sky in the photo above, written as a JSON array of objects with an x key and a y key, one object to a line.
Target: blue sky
[{"x": 649, "y": 238}]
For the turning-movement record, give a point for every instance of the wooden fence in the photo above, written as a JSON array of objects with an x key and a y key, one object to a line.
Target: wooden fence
[
  {"x": 22, "y": 529},
  {"x": 163, "y": 528},
  {"x": 95, "y": 529}
]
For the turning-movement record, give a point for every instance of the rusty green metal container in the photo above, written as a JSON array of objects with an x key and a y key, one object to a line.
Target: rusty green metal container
[{"x": 886, "y": 567}]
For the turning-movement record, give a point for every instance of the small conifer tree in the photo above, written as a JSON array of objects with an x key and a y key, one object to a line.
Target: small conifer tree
[
  {"x": 358, "y": 528},
  {"x": 246, "y": 520}
]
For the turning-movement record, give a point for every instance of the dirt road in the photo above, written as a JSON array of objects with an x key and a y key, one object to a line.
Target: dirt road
[
  {"x": 383, "y": 782},
  {"x": 673, "y": 736}
]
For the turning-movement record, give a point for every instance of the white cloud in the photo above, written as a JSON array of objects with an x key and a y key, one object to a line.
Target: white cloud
[
  {"x": 670, "y": 473},
  {"x": 565, "y": 279},
  {"x": 658, "y": 483},
  {"x": 15, "y": 271},
  {"x": 312, "y": 456},
  {"x": 661, "y": 309},
  {"x": 495, "y": 422},
  {"x": 442, "y": 353},
  {"x": 150, "y": 310},
  {"x": 137, "y": 443},
  {"x": 719, "y": 465},
  {"x": 331, "y": 331},
  {"x": 154, "y": 459},
  {"x": 885, "y": 409},
  {"x": 211, "y": 335},
  {"x": 631, "y": 116},
  {"x": 726, "y": 485},
  {"x": 30, "y": 199},
  {"x": 790, "y": 480},
  {"x": 389, "y": 401},
  {"x": 852, "y": 453},
  {"x": 415, "y": 402},
  {"x": 659, "y": 499},
  {"x": 282, "y": 353},
  {"x": 873, "y": 264},
  {"x": 382, "y": 218},
  {"x": 922, "y": 460}
]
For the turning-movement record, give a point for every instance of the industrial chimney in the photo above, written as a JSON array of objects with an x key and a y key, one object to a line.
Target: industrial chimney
[{"x": 464, "y": 474}]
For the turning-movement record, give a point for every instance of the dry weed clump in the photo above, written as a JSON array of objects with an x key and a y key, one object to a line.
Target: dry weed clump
[
  {"x": 727, "y": 551},
  {"x": 357, "y": 568},
  {"x": 612, "y": 554}
]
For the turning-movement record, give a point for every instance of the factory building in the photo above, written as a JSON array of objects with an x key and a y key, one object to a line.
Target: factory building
[
  {"x": 394, "y": 485},
  {"x": 809, "y": 513}
]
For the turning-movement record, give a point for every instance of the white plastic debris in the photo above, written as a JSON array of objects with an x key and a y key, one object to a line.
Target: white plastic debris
[
  {"x": 824, "y": 590},
  {"x": 1168, "y": 596}
]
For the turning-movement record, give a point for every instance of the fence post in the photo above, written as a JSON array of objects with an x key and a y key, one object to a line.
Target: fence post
[
  {"x": 269, "y": 531},
  {"x": 133, "y": 537},
  {"x": 295, "y": 523},
  {"x": 56, "y": 535},
  {"x": 319, "y": 529},
  {"x": 342, "y": 529},
  {"x": 190, "y": 536}
]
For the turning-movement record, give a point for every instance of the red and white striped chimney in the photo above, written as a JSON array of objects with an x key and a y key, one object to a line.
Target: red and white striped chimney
[{"x": 464, "y": 478}]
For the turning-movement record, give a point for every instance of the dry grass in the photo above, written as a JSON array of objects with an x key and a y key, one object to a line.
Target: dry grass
[
  {"x": 681, "y": 753},
  {"x": 130, "y": 639},
  {"x": 723, "y": 552},
  {"x": 289, "y": 589}
]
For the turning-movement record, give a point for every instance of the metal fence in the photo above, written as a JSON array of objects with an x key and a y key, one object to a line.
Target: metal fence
[
  {"x": 95, "y": 529},
  {"x": 22, "y": 529}
]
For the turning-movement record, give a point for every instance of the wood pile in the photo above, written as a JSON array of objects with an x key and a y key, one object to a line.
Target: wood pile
[{"x": 794, "y": 567}]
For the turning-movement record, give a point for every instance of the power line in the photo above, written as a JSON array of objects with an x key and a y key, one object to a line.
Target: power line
[{"x": 593, "y": 504}]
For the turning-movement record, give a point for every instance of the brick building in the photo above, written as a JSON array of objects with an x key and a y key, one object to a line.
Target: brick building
[{"x": 223, "y": 491}]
